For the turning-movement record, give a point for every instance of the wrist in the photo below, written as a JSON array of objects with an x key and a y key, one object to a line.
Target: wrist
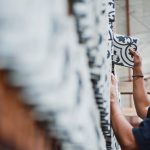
[
  {"x": 137, "y": 70},
  {"x": 137, "y": 67},
  {"x": 138, "y": 76}
]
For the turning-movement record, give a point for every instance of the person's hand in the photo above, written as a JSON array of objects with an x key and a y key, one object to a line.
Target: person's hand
[
  {"x": 113, "y": 89},
  {"x": 136, "y": 58}
]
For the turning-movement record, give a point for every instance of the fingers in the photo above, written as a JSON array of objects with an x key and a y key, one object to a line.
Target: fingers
[
  {"x": 134, "y": 53},
  {"x": 137, "y": 58},
  {"x": 113, "y": 89},
  {"x": 113, "y": 79}
]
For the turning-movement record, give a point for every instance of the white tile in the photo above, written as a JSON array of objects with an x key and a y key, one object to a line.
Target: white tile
[
  {"x": 135, "y": 2},
  {"x": 136, "y": 26},
  {"x": 136, "y": 10},
  {"x": 145, "y": 21}
]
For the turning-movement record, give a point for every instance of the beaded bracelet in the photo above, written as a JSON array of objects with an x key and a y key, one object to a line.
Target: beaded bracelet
[{"x": 137, "y": 76}]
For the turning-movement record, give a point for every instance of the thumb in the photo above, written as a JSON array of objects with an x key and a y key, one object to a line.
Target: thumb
[{"x": 112, "y": 79}]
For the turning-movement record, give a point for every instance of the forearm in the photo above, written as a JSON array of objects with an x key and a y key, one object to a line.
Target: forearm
[
  {"x": 122, "y": 128},
  {"x": 141, "y": 99}
]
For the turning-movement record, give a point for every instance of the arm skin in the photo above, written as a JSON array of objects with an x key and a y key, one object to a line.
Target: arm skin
[
  {"x": 141, "y": 99},
  {"x": 121, "y": 127}
]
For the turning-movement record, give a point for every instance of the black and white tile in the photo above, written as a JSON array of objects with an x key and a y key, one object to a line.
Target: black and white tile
[{"x": 121, "y": 53}]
